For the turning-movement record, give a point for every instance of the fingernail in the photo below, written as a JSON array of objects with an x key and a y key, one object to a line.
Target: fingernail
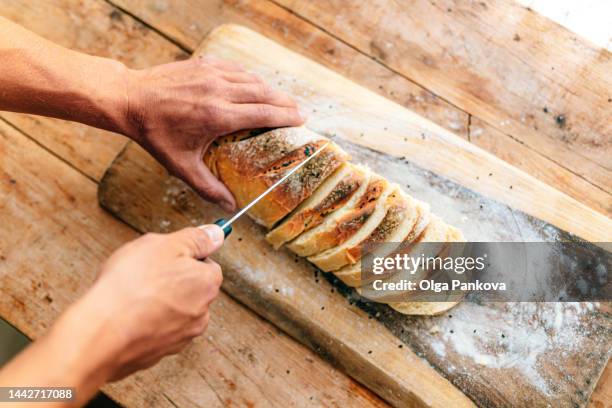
[{"x": 215, "y": 234}]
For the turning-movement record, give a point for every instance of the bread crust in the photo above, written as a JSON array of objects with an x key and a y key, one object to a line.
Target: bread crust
[
  {"x": 357, "y": 209},
  {"x": 417, "y": 218},
  {"x": 251, "y": 165},
  {"x": 435, "y": 308},
  {"x": 211, "y": 154},
  {"x": 309, "y": 215},
  {"x": 423, "y": 308},
  {"x": 343, "y": 228},
  {"x": 392, "y": 211}
]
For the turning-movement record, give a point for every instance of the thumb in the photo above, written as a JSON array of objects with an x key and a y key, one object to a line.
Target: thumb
[
  {"x": 210, "y": 188},
  {"x": 200, "y": 242}
]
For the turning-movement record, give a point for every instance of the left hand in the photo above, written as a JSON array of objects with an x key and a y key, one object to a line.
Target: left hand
[{"x": 176, "y": 110}]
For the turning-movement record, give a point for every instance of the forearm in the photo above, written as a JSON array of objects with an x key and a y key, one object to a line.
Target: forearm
[
  {"x": 77, "y": 352},
  {"x": 40, "y": 77}
]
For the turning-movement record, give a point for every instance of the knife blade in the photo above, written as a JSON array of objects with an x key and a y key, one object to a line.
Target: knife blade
[{"x": 226, "y": 225}]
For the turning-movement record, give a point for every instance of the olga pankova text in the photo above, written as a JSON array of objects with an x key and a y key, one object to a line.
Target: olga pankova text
[{"x": 431, "y": 285}]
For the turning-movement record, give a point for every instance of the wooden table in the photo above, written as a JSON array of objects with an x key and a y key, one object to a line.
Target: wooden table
[{"x": 493, "y": 72}]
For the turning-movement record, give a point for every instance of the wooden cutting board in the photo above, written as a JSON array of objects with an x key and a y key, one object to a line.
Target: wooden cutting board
[{"x": 518, "y": 354}]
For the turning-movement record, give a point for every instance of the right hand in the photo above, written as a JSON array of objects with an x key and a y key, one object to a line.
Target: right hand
[
  {"x": 176, "y": 110},
  {"x": 155, "y": 293}
]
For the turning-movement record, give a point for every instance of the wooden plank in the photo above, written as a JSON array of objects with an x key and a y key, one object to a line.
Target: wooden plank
[
  {"x": 536, "y": 377},
  {"x": 63, "y": 235},
  {"x": 283, "y": 289},
  {"x": 519, "y": 72},
  {"x": 603, "y": 392},
  {"x": 523, "y": 157},
  {"x": 188, "y": 24},
  {"x": 393, "y": 130},
  {"x": 93, "y": 27},
  {"x": 279, "y": 286}
]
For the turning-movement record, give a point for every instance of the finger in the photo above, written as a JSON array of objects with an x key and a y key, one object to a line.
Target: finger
[
  {"x": 198, "y": 327},
  {"x": 214, "y": 276},
  {"x": 241, "y": 77},
  {"x": 260, "y": 93},
  {"x": 199, "y": 242},
  {"x": 208, "y": 186},
  {"x": 251, "y": 116}
]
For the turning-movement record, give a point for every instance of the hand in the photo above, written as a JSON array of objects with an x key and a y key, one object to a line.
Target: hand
[
  {"x": 178, "y": 109},
  {"x": 156, "y": 295},
  {"x": 150, "y": 300}
]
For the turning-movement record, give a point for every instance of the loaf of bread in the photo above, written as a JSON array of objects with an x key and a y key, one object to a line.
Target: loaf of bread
[
  {"x": 331, "y": 211},
  {"x": 250, "y": 165}
]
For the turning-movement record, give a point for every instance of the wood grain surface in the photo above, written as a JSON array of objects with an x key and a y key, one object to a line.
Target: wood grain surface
[
  {"x": 147, "y": 32},
  {"x": 520, "y": 72},
  {"x": 555, "y": 160},
  {"x": 280, "y": 287},
  {"x": 97, "y": 28},
  {"x": 540, "y": 379},
  {"x": 242, "y": 359},
  {"x": 337, "y": 107}
]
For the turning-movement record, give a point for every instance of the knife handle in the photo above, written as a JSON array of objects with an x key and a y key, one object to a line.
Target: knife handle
[{"x": 228, "y": 228}]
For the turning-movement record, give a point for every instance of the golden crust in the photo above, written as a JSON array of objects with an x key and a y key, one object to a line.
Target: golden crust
[
  {"x": 391, "y": 212},
  {"x": 347, "y": 225},
  {"x": 423, "y": 308},
  {"x": 310, "y": 215},
  {"x": 359, "y": 206},
  {"x": 210, "y": 156},
  {"x": 249, "y": 166},
  {"x": 416, "y": 221},
  {"x": 434, "y": 308}
]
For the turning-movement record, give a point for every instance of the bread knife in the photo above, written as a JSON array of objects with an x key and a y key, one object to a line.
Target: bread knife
[{"x": 226, "y": 225}]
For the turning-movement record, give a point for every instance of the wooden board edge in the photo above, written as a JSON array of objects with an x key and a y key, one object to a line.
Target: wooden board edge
[
  {"x": 564, "y": 211},
  {"x": 429, "y": 389}
]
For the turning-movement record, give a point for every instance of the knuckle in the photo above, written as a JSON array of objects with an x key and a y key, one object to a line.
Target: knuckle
[
  {"x": 217, "y": 116},
  {"x": 210, "y": 85},
  {"x": 196, "y": 330},
  {"x": 200, "y": 325},
  {"x": 264, "y": 90},
  {"x": 194, "y": 313},
  {"x": 212, "y": 111},
  {"x": 264, "y": 112},
  {"x": 257, "y": 78},
  {"x": 196, "y": 238},
  {"x": 215, "y": 273}
]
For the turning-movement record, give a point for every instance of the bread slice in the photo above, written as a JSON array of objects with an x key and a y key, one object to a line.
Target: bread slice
[
  {"x": 415, "y": 221},
  {"x": 434, "y": 308},
  {"x": 435, "y": 232},
  {"x": 343, "y": 223},
  {"x": 335, "y": 192},
  {"x": 423, "y": 308},
  {"x": 377, "y": 224},
  {"x": 251, "y": 165}
]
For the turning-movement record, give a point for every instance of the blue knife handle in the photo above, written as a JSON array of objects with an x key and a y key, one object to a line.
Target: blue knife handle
[{"x": 227, "y": 230}]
